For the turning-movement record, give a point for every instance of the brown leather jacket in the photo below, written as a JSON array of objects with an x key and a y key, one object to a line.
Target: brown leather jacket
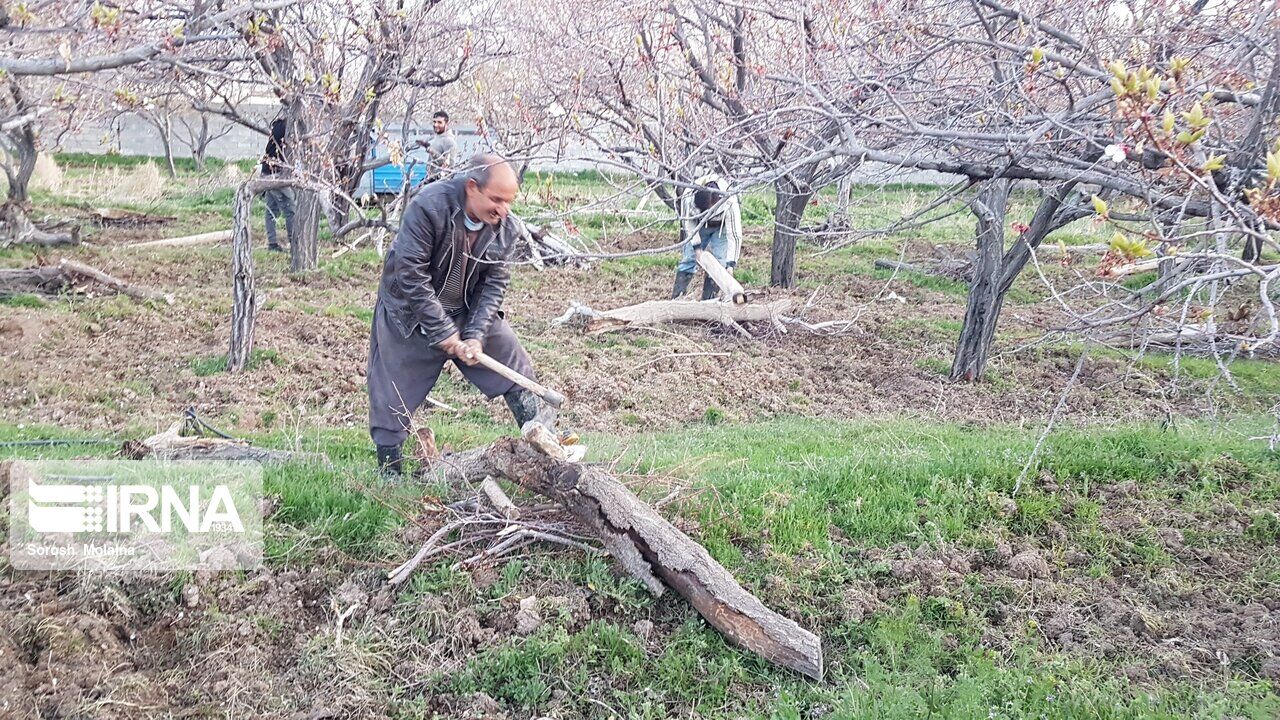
[{"x": 419, "y": 259}]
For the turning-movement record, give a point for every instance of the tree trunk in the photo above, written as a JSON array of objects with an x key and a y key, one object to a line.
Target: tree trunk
[
  {"x": 20, "y": 165},
  {"x": 304, "y": 249},
  {"x": 787, "y": 216},
  {"x": 200, "y": 148},
  {"x": 244, "y": 308},
  {"x": 15, "y": 219},
  {"x": 994, "y": 270},
  {"x": 985, "y": 296},
  {"x": 164, "y": 123}
]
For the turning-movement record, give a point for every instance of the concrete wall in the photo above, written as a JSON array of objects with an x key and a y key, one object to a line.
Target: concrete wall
[{"x": 132, "y": 135}]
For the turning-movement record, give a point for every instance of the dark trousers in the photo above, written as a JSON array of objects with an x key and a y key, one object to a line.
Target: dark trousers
[
  {"x": 403, "y": 370},
  {"x": 279, "y": 205}
]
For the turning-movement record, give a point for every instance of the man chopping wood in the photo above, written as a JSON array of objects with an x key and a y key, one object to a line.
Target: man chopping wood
[
  {"x": 440, "y": 299},
  {"x": 712, "y": 220}
]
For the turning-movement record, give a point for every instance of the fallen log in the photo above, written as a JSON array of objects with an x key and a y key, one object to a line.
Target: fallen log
[
  {"x": 120, "y": 286},
  {"x": 657, "y": 312},
  {"x": 729, "y": 286},
  {"x": 119, "y": 216},
  {"x": 171, "y": 444},
  {"x": 886, "y": 264},
  {"x": 1132, "y": 268},
  {"x": 208, "y": 238},
  {"x": 1090, "y": 249},
  {"x": 543, "y": 248},
  {"x": 70, "y": 276},
  {"x": 647, "y": 547},
  {"x": 43, "y": 280}
]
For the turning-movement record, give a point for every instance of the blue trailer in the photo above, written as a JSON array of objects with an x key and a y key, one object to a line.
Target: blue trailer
[{"x": 389, "y": 179}]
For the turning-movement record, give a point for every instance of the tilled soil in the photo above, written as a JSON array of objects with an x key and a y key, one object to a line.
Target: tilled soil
[{"x": 106, "y": 363}]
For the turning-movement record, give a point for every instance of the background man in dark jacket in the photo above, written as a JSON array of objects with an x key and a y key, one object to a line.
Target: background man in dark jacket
[
  {"x": 440, "y": 299},
  {"x": 279, "y": 200}
]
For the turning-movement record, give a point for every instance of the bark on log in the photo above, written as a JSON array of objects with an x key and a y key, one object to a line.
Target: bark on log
[
  {"x": 208, "y": 238},
  {"x": 657, "y": 312},
  {"x": 886, "y": 264},
  {"x": 544, "y": 247},
  {"x": 729, "y": 286},
  {"x": 1090, "y": 249},
  {"x": 69, "y": 276},
  {"x": 171, "y": 444},
  {"x": 120, "y": 216},
  {"x": 47, "y": 280},
  {"x": 120, "y": 286},
  {"x": 1137, "y": 268},
  {"x": 952, "y": 269},
  {"x": 16, "y": 226},
  {"x": 650, "y": 549}
]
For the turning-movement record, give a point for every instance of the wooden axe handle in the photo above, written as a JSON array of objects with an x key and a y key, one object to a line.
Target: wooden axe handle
[{"x": 553, "y": 398}]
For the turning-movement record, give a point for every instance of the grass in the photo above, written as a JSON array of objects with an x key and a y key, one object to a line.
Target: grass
[
  {"x": 791, "y": 500},
  {"x": 206, "y": 365},
  {"x": 184, "y": 165},
  {"x": 23, "y": 300},
  {"x": 1256, "y": 378},
  {"x": 791, "y": 506}
]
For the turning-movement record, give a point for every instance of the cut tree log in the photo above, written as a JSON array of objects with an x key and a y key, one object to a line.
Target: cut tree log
[
  {"x": 171, "y": 444},
  {"x": 1133, "y": 268},
  {"x": 542, "y": 247},
  {"x": 43, "y": 280},
  {"x": 208, "y": 238},
  {"x": 69, "y": 276},
  {"x": 657, "y": 312},
  {"x": 120, "y": 286},
  {"x": 729, "y": 286},
  {"x": 647, "y": 547},
  {"x": 499, "y": 500},
  {"x": 1090, "y": 249},
  {"x": 119, "y": 216}
]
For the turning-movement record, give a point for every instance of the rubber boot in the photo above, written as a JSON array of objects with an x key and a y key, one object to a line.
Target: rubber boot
[
  {"x": 682, "y": 284},
  {"x": 710, "y": 290},
  {"x": 524, "y": 406},
  {"x": 390, "y": 461}
]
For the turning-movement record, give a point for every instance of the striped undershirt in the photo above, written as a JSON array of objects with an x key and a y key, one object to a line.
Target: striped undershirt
[{"x": 453, "y": 292}]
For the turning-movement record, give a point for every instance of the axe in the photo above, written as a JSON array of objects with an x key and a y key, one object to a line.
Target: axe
[{"x": 553, "y": 398}]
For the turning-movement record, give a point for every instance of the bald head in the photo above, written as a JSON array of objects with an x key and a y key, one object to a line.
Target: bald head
[{"x": 491, "y": 187}]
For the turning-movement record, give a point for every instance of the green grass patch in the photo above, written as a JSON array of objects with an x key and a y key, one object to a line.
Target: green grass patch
[
  {"x": 207, "y": 365},
  {"x": 23, "y": 300},
  {"x": 640, "y": 265},
  {"x": 897, "y": 481}
]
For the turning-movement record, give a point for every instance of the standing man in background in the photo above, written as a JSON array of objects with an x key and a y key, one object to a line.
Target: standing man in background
[
  {"x": 279, "y": 200},
  {"x": 712, "y": 221},
  {"x": 441, "y": 149}
]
